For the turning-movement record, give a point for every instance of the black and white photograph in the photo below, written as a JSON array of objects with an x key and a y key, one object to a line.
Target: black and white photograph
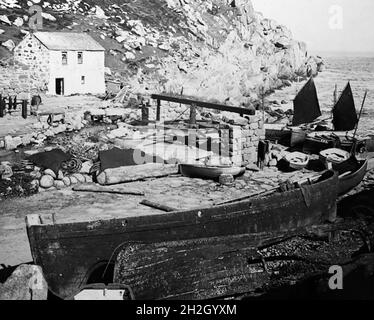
[{"x": 215, "y": 152}]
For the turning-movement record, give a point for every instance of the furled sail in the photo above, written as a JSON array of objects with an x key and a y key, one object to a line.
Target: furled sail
[
  {"x": 344, "y": 111},
  {"x": 306, "y": 105}
]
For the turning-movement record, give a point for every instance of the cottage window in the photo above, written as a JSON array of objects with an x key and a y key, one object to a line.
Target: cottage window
[
  {"x": 80, "y": 57},
  {"x": 83, "y": 80},
  {"x": 64, "y": 57}
]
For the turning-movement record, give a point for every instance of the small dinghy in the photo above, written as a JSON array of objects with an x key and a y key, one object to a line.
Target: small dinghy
[
  {"x": 334, "y": 155},
  {"x": 297, "y": 160},
  {"x": 209, "y": 172}
]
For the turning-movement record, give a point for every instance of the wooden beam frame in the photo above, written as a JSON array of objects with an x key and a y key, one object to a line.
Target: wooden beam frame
[{"x": 193, "y": 101}]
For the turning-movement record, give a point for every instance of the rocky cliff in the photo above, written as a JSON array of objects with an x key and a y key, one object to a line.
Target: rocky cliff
[{"x": 216, "y": 49}]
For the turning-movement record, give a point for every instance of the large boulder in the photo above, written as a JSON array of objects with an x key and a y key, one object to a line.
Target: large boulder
[
  {"x": 26, "y": 283},
  {"x": 47, "y": 181},
  {"x": 4, "y": 19},
  {"x": 6, "y": 171},
  {"x": 9, "y": 44},
  {"x": 12, "y": 143}
]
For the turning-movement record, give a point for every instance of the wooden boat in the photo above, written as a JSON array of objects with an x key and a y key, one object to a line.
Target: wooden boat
[
  {"x": 70, "y": 252},
  {"x": 306, "y": 110},
  {"x": 297, "y": 160},
  {"x": 285, "y": 135},
  {"x": 345, "y": 120},
  {"x": 321, "y": 140},
  {"x": 298, "y": 136},
  {"x": 278, "y": 133},
  {"x": 351, "y": 179},
  {"x": 200, "y": 269},
  {"x": 209, "y": 172},
  {"x": 334, "y": 155},
  {"x": 229, "y": 267}
]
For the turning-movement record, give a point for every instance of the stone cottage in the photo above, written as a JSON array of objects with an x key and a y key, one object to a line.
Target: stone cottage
[{"x": 68, "y": 63}]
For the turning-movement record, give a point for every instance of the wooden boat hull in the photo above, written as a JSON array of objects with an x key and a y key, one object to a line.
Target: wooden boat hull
[
  {"x": 287, "y": 136},
  {"x": 349, "y": 182},
  {"x": 276, "y": 133},
  {"x": 191, "y": 269},
  {"x": 226, "y": 267},
  {"x": 210, "y": 172},
  {"x": 313, "y": 144},
  {"x": 298, "y": 137},
  {"x": 69, "y": 253}
]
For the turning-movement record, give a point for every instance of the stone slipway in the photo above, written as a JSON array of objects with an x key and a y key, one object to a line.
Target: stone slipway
[{"x": 70, "y": 206}]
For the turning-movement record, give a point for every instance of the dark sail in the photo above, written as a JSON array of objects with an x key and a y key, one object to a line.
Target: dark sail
[
  {"x": 306, "y": 105},
  {"x": 344, "y": 112}
]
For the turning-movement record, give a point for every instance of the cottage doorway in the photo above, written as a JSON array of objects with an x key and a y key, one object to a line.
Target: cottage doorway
[{"x": 60, "y": 86}]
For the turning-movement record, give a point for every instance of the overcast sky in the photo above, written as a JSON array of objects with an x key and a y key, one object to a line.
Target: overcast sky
[{"x": 325, "y": 25}]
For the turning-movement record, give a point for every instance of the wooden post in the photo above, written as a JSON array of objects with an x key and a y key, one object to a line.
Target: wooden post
[
  {"x": 193, "y": 115},
  {"x": 359, "y": 118},
  {"x": 10, "y": 107},
  {"x": 158, "y": 111},
  {"x": 145, "y": 113},
  {"x": 15, "y": 103},
  {"x": 24, "y": 109},
  {"x": 263, "y": 103},
  {"x": 2, "y": 106}
]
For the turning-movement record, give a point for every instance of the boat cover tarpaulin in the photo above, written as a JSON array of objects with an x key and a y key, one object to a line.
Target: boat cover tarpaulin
[
  {"x": 306, "y": 105},
  {"x": 344, "y": 112},
  {"x": 115, "y": 158},
  {"x": 50, "y": 159}
]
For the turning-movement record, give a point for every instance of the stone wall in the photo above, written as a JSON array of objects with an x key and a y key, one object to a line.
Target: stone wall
[
  {"x": 238, "y": 136},
  {"x": 29, "y": 70},
  {"x": 244, "y": 138},
  {"x": 19, "y": 81},
  {"x": 32, "y": 53}
]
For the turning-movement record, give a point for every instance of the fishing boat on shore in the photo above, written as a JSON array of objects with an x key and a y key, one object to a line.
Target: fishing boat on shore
[
  {"x": 70, "y": 252},
  {"x": 306, "y": 111},
  {"x": 345, "y": 122},
  {"x": 351, "y": 171}
]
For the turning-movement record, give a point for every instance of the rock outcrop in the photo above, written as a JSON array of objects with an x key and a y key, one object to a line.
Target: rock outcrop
[
  {"x": 220, "y": 50},
  {"x": 26, "y": 283}
]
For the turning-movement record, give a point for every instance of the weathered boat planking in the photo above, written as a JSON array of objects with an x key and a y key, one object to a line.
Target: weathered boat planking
[
  {"x": 68, "y": 253},
  {"x": 191, "y": 269},
  {"x": 349, "y": 182},
  {"x": 230, "y": 266}
]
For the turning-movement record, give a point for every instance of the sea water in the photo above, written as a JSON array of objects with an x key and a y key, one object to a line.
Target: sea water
[
  {"x": 359, "y": 71},
  {"x": 339, "y": 69}
]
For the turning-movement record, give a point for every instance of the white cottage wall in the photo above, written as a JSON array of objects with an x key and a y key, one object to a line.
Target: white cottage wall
[{"x": 92, "y": 69}]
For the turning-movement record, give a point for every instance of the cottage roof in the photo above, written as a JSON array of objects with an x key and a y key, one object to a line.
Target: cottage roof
[{"x": 68, "y": 41}]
